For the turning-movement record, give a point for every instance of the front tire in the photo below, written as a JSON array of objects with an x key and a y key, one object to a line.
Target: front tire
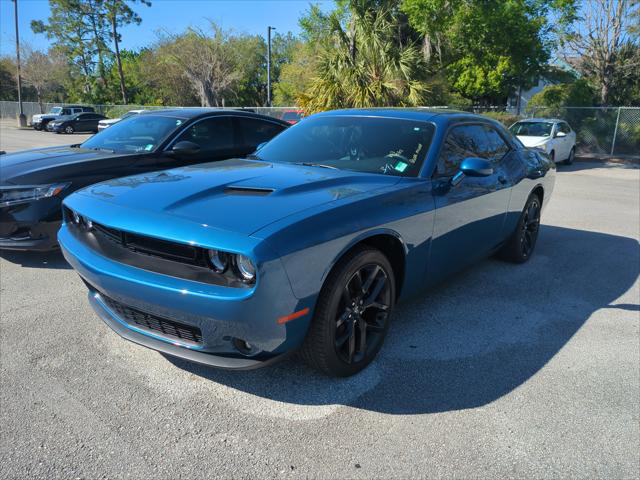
[
  {"x": 352, "y": 314},
  {"x": 521, "y": 245},
  {"x": 68, "y": 129}
]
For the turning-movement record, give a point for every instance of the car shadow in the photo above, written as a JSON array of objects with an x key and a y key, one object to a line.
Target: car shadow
[
  {"x": 590, "y": 165},
  {"x": 53, "y": 259},
  {"x": 472, "y": 340}
]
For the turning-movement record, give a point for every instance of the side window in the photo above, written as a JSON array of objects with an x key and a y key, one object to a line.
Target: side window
[
  {"x": 215, "y": 133},
  {"x": 564, "y": 127},
  {"x": 256, "y": 131},
  {"x": 462, "y": 141},
  {"x": 65, "y": 111},
  {"x": 497, "y": 147},
  {"x": 76, "y": 110}
]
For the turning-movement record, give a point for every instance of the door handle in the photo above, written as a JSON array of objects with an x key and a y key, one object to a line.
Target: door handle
[{"x": 502, "y": 179}]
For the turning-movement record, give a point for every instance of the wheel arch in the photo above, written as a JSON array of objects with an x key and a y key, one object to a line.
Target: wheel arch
[
  {"x": 539, "y": 191},
  {"x": 389, "y": 242}
]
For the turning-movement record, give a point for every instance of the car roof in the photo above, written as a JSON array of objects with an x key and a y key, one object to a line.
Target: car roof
[
  {"x": 534, "y": 120},
  {"x": 436, "y": 115},
  {"x": 189, "y": 113}
]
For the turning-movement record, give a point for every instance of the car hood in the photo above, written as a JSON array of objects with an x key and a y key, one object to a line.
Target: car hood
[
  {"x": 109, "y": 121},
  {"x": 240, "y": 196},
  {"x": 532, "y": 141},
  {"x": 40, "y": 165}
]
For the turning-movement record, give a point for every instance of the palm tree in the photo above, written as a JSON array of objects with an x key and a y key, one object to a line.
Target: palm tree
[{"x": 364, "y": 62}]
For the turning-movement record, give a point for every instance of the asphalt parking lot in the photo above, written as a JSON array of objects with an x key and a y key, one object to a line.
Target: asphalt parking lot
[
  {"x": 503, "y": 371},
  {"x": 13, "y": 139}
]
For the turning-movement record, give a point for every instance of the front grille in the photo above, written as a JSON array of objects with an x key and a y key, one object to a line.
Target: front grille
[
  {"x": 148, "y": 321},
  {"x": 146, "y": 245}
]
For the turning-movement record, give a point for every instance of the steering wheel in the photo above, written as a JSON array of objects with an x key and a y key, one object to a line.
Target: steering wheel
[{"x": 397, "y": 156}]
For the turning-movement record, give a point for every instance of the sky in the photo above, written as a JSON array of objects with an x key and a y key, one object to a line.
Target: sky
[{"x": 172, "y": 16}]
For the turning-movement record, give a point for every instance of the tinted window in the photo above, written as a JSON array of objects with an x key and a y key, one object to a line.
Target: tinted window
[
  {"x": 563, "y": 127},
  {"x": 387, "y": 146},
  {"x": 135, "y": 134},
  {"x": 255, "y": 131},
  {"x": 211, "y": 134},
  {"x": 291, "y": 116},
  {"x": 466, "y": 141},
  {"x": 532, "y": 129},
  {"x": 496, "y": 146}
]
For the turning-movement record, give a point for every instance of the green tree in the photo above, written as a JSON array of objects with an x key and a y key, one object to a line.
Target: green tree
[
  {"x": 71, "y": 36},
  {"x": 8, "y": 85},
  {"x": 207, "y": 62},
  {"x": 364, "y": 60},
  {"x": 45, "y": 72},
  {"x": 119, "y": 13},
  {"x": 487, "y": 48},
  {"x": 606, "y": 28}
]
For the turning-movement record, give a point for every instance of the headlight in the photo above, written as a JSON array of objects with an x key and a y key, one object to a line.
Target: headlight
[
  {"x": 219, "y": 260},
  {"x": 234, "y": 265},
  {"x": 14, "y": 195},
  {"x": 246, "y": 268}
]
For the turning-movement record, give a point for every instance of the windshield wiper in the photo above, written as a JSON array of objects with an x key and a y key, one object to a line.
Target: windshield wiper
[
  {"x": 101, "y": 149},
  {"x": 307, "y": 164}
]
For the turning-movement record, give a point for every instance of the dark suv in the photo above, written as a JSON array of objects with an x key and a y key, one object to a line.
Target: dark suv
[{"x": 39, "y": 122}]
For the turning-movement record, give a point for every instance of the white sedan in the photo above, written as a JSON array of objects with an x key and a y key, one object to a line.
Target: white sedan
[
  {"x": 554, "y": 137},
  {"x": 102, "y": 124}
]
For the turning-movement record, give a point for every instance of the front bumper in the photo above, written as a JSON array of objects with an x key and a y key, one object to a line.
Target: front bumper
[
  {"x": 31, "y": 225},
  {"x": 223, "y": 315}
]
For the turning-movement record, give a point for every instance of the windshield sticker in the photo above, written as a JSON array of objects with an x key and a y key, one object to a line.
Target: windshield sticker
[
  {"x": 401, "y": 166},
  {"x": 149, "y": 147}
]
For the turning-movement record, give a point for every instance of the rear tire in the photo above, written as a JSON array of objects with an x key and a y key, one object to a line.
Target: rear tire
[
  {"x": 352, "y": 314},
  {"x": 521, "y": 245}
]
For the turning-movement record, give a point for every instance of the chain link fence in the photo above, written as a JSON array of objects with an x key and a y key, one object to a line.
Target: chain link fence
[{"x": 601, "y": 131}]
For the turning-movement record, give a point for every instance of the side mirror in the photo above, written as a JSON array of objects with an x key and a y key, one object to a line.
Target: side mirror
[
  {"x": 472, "y": 167},
  {"x": 560, "y": 134},
  {"x": 186, "y": 147}
]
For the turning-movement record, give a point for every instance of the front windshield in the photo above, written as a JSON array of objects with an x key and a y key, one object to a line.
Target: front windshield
[
  {"x": 291, "y": 116},
  {"x": 139, "y": 133},
  {"x": 363, "y": 144},
  {"x": 56, "y": 110},
  {"x": 129, "y": 114},
  {"x": 532, "y": 129}
]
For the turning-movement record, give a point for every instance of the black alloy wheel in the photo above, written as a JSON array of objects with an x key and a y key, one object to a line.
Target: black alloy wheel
[
  {"x": 530, "y": 227},
  {"x": 362, "y": 314},
  {"x": 352, "y": 314},
  {"x": 520, "y": 246}
]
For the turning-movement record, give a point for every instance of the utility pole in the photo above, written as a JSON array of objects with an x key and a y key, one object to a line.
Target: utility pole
[
  {"x": 22, "y": 120},
  {"x": 269, "y": 65}
]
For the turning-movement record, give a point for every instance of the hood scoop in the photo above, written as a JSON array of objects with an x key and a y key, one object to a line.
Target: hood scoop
[{"x": 250, "y": 191}]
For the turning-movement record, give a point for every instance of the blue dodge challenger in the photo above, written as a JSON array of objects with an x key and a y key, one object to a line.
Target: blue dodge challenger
[{"x": 310, "y": 242}]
